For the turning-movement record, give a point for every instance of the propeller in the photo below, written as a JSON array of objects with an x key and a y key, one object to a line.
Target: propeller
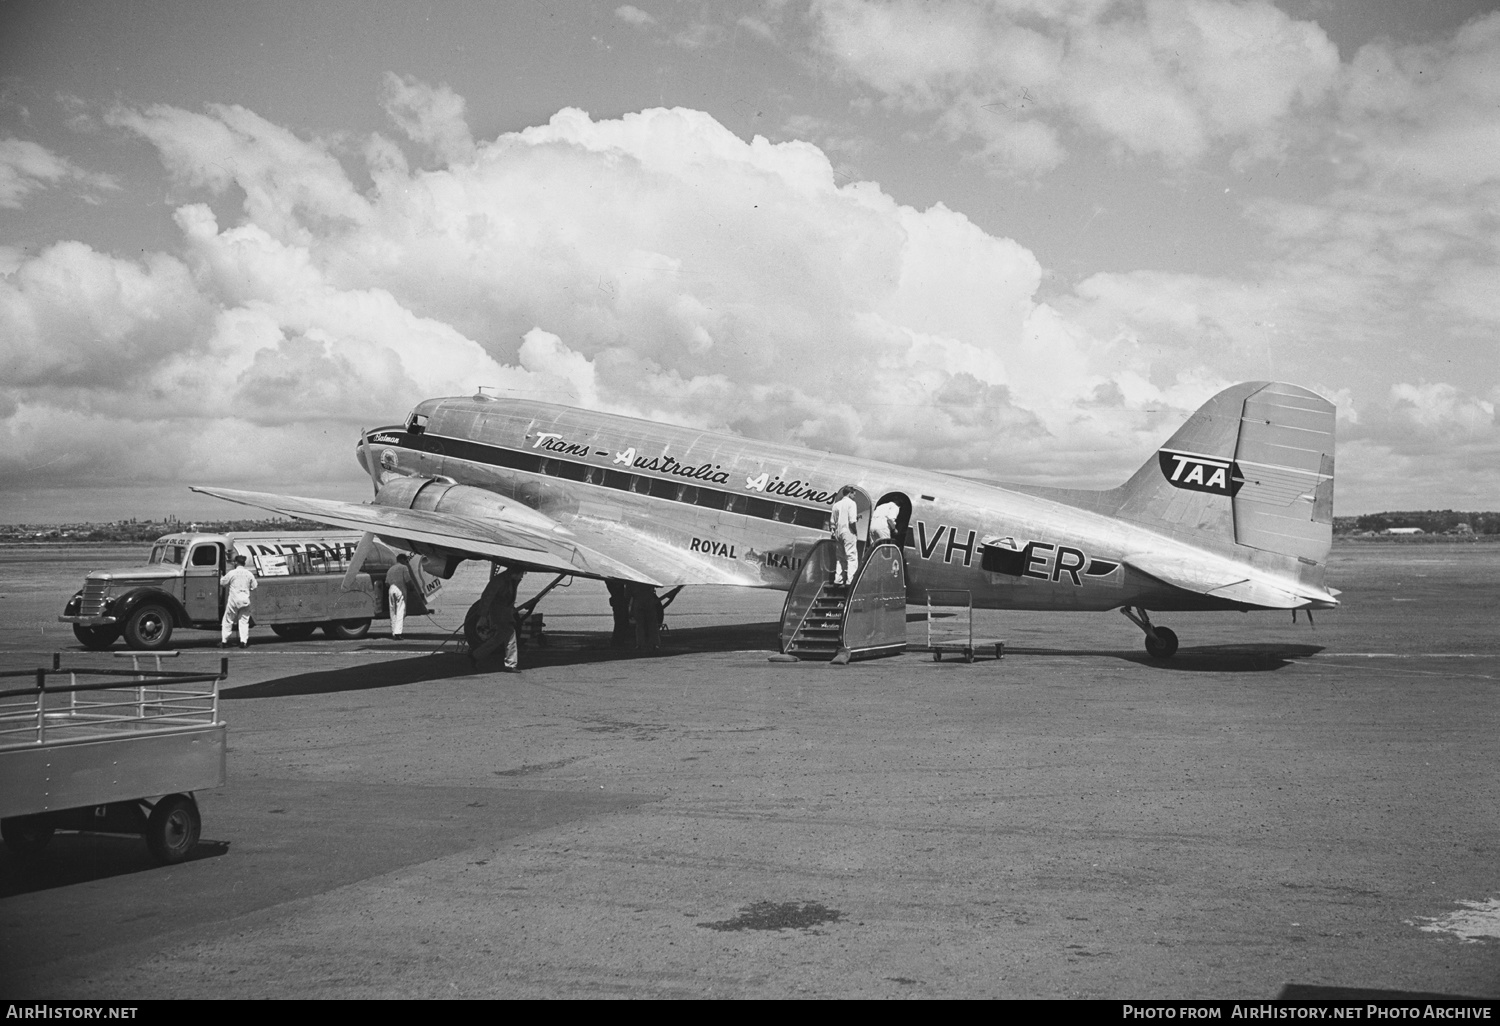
[
  {"x": 367, "y": 541},
  {"x": 369, "y": 454}
]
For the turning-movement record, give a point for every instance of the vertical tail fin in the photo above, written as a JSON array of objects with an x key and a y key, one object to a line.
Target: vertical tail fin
[{"x": 1253, "y": 467}]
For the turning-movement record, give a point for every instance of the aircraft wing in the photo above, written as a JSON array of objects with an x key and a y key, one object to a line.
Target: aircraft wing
[
  {"x": 1229, "y": 580},
  {"x": 526, "y": 545},
  {"x": 669, "y": 564}
]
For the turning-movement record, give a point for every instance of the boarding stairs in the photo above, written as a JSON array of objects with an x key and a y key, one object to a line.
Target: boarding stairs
[
  {"x": 836, "y": 622},
  {"x": 820, "y": 634}
]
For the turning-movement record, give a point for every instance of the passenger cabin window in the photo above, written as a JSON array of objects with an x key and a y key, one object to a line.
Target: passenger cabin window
[{"x": 206, "y": 555}]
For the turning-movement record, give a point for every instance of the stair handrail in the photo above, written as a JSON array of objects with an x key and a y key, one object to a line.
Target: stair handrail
[
  {"x": 859, "y": 573},
  {"x": 808, "y": 563}
]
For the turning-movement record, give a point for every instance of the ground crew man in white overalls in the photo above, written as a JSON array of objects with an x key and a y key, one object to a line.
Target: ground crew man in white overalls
[
  {"x": 240, "y": 582},
  {"x": 398, "y": 581},
  {"x": 845, "y": 542}
]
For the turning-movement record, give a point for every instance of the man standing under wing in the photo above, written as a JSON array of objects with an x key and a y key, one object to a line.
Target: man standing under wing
[
  {"x": 398, "y": 582},
  {"x": 499, "y": 619},
  {"x": 240, "y": 582}
]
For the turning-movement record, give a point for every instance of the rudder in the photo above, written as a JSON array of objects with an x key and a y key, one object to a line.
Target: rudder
[{"x": 1253, "y": 467}]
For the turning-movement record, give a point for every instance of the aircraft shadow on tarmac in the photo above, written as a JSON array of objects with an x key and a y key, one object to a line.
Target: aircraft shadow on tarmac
[
  {"x": 563, "y": 648},
  {"x": 71, "y": 858},
  {"x": 1253, "y": 658}
]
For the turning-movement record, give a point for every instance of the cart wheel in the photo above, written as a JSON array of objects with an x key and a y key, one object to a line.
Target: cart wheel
[
  {"x": 937, "y": 655},
  {"x": 172, "y": 831},
  {"x": 294, "y": 631},
  {"x": 26, "y": 835}
]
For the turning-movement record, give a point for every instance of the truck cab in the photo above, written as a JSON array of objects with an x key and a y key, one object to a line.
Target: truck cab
[{"x": 300, "y": 587}]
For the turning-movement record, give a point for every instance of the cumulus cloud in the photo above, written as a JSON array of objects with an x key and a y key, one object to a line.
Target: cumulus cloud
[
  {"x": 1427, "y": 112},
  {"x": 652, "y": 264},
  {"x": 430, "y": 116},
  {"x": 27, "y": 167},
  {"x": 1157, "y": 78}
]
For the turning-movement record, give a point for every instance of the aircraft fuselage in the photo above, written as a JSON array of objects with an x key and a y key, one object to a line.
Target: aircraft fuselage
[{"x": 754, "y": 509}]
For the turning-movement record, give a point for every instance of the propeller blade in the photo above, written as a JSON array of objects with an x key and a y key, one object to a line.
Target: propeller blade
[
  {"x": 361, "y": 553},
  {"x": 364, "y": 438}
]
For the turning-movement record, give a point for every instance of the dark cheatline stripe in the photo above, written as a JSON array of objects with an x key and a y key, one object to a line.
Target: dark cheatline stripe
[{"x": 588, "y": 473}]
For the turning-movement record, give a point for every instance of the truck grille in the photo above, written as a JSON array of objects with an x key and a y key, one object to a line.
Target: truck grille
[{"x": 93, "y": 598}]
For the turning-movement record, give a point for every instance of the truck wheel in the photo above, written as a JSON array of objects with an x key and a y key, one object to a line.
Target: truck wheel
[
  {"x": 347, "y": 630},
  {"x": 26, "y": 835},
  {"x": 293, "y": 631},
  {"x": 95, "y": 639},
  {"x": 148, "y": 628},
  {"x": 173, "y": 829}
]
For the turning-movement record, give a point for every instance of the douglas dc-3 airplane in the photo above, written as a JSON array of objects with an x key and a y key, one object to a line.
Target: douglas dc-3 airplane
[{"x": 1235, "y": 512}]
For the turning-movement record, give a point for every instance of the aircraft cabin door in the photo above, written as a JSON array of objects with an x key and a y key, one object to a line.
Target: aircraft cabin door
[{"x": 863, "y": 504}]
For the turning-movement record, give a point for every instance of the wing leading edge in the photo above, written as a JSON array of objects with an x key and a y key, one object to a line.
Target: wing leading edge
[{"x": 516, "y": 544}]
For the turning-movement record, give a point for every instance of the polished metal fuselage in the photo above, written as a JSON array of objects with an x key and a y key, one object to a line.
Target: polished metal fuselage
[{"x": 758, "y": 507}]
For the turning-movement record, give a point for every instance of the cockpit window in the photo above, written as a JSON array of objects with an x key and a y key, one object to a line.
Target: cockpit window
[{"x": 416, "y": 424}]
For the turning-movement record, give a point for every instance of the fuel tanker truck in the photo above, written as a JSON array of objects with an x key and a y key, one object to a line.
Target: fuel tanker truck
[{"x": 303, "y": 584}]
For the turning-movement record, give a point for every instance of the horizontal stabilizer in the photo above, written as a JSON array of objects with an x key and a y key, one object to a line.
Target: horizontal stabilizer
[{"x": 1230, "y": 580}]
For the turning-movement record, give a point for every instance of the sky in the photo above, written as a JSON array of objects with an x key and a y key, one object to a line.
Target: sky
[{"x": 1015, "y": 239}]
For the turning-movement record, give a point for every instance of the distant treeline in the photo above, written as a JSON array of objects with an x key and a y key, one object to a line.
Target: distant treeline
[
  {"x": 145, "y": 530},
  {"x": 1430, "y": 521}
]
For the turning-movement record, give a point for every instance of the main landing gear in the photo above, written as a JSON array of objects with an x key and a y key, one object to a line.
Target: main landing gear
[{"x": 1161, "y": 642}]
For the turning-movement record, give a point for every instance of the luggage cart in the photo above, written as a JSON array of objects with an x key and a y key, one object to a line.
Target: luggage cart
[
  {"x": 957, "y": 636},
  {"x": 118, "y": 756}
]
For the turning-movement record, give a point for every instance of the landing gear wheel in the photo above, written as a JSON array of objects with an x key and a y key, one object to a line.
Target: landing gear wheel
[
  {"x": 294, "y": 631},
  {"x": 347, "y": 630},
  {"x": 173, "y": 829},
  {"x": 1164, "y": 646},
  {"x": 26, "y": 835},
  {"x": 149, "y": 628},
  {"x": 477, "y": 628},
  {"x": 95, "y": 639}
]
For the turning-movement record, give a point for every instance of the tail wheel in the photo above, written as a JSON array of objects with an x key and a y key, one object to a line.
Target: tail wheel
[
  {"x": 1164, "y": 645},
  {"x": 148, "y": 628},
  {"x": 173, "y": 829}
]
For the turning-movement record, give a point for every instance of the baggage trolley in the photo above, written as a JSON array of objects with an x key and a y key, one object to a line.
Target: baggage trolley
[
  {"x": 121, "y": 755},
  {"x": 958, "y": 636}
]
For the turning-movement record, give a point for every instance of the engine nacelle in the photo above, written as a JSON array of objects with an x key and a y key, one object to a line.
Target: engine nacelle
[{"x": 435, "y": 495}]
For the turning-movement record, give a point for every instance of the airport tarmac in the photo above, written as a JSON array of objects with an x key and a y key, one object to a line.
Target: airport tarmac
[{"x": 1279, "y": 811}]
